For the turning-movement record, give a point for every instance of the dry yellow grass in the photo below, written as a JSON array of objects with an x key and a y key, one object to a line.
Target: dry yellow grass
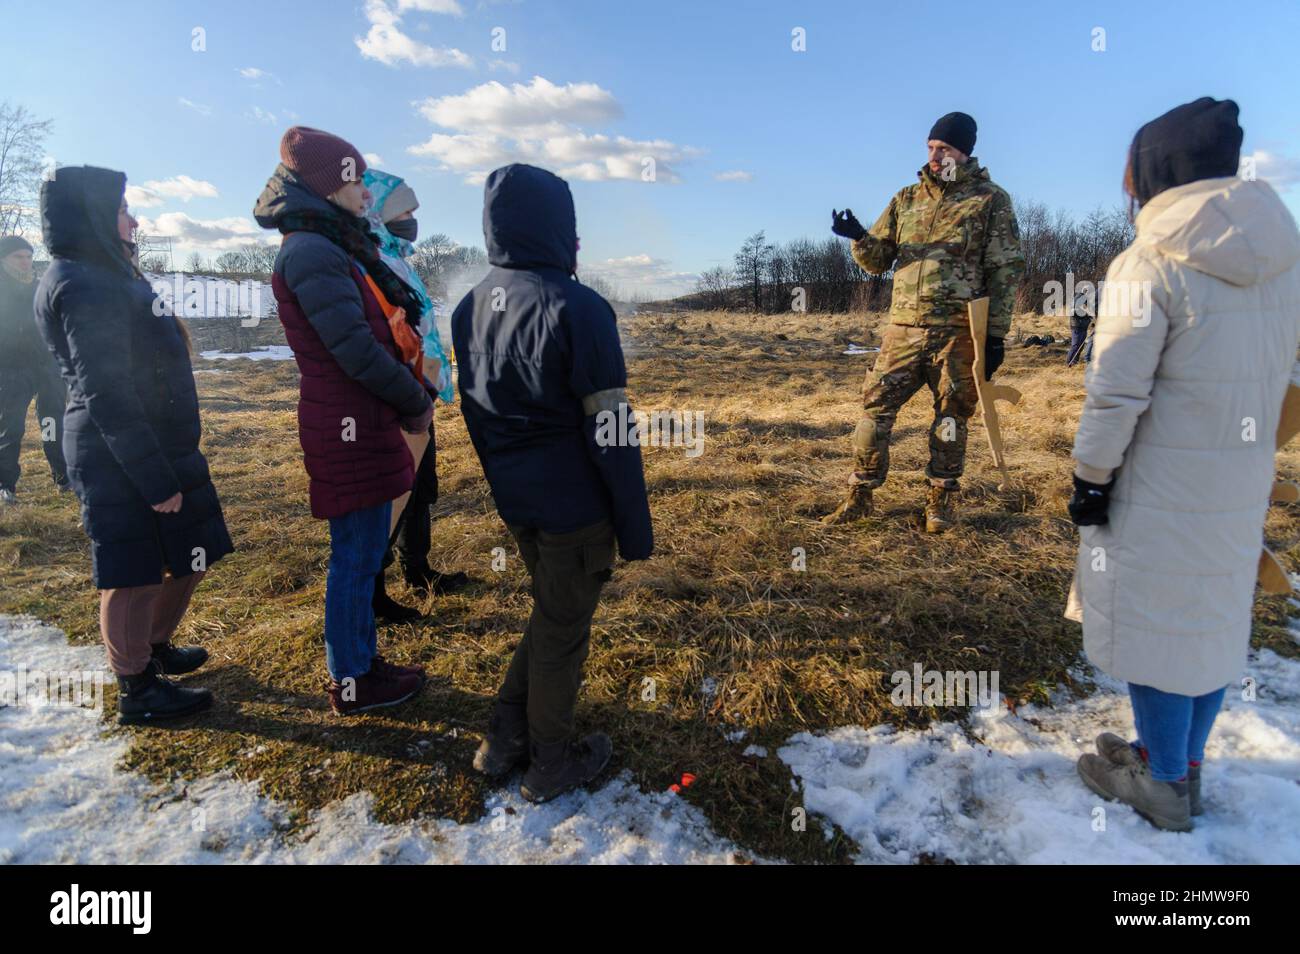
[{"x": 731, "y": 634}]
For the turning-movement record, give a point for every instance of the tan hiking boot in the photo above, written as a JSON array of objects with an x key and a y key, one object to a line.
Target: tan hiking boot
[
  {"x": 939, "y": 511},
  {"x": 1117, "y": 750},
  {"x": 855, "y": 506},
  {"x": 1165, "y": 804}
]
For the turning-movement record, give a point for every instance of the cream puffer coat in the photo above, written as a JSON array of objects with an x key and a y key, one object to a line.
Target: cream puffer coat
[{"x": 1195, "y": 347}]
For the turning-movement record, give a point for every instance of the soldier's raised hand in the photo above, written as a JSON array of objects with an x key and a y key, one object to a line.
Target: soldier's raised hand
[{"x": 845, "y": 224}]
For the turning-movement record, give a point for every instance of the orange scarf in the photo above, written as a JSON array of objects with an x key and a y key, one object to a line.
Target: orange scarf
[{"x": 407, "y": 341}]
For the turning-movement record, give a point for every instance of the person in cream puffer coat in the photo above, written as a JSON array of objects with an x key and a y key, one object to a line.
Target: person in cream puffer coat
[{"x": 1195, "y": 348}]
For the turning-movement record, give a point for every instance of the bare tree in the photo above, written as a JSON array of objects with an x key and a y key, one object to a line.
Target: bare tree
[
  {"x": 751, "y": 266},
  {"x": 603, "y": 287},
  {"x": 22, "y": 149},
  {"x": 444, "y": 266},
  {"x": 713, "y": 286},
  {"x": 251, "y": 261}
]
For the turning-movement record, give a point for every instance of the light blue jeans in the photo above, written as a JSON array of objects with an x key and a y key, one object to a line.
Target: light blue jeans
[{"x": 1173, "y": 728}]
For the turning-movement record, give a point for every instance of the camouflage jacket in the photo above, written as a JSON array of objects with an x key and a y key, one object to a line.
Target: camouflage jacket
[{"x": 948, "y": 242}]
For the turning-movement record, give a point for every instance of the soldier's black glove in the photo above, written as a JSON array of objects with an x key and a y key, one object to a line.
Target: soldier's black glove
[
  {"x": 845, "y": 224},
  {"x": 995, "y": 352},
  {"x": 1089, "y": 503}
]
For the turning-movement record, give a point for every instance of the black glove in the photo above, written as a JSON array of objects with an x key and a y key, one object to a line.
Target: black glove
[
  {"x": 995, "y": 352},
  {"x": 1089, "y": 503},
  {"x": 845, "y": 224}
]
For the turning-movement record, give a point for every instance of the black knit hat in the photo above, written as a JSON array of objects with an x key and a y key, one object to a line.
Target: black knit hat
[
  {"x": 957, "y": 130},
  {"x": 13, "y": 243},
  {"x": 1198, "y": 140}
]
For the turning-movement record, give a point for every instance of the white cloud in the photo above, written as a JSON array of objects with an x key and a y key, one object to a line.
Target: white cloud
[
  {"x": 190, "y": 234},
  {"x": 520, "y": 108},
  {"x": 257, "y": 75},
  {"x": 156, "y": 192},
  {"x": 1280, "y": 171},
  {"x": 540, "y": 122},
  {"x": 387, "y": 43},
  {"x": 431, "y": 6},
  {"x": 639, "y": 274},
  {"x": 197, "y": 107},
  {"x": 372, "y": 158},
  {"x": 734, "y": 175},
  {"x": 261, "y": 115}
]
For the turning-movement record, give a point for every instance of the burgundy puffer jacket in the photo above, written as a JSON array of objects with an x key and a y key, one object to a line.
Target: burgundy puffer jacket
[{"x": 352, "y": 442}]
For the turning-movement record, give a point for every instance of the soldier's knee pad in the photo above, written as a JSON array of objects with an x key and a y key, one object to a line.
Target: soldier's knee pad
[{"x": 864, "y": 435}]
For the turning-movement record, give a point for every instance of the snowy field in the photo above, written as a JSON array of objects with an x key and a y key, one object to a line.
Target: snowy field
[
  {"x": 1012, "y": 797},
  {"x": 263, "y": 353}
]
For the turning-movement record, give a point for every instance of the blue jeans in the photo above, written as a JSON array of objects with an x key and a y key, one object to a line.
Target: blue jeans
[
  {"x": 358, "y": 541},
  {"x": 1173, "y": 728}
]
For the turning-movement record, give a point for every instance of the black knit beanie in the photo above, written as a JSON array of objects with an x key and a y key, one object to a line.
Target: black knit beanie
[
  {"x": 1198, "y": 140},
  {"x": 957, "y": 130}
]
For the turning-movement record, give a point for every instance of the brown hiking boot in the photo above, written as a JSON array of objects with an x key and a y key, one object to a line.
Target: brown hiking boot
[
  {"x": 854, "y": 507},
  {"x": 378, "y": 688},
  {"x": 939, "y": 510}
]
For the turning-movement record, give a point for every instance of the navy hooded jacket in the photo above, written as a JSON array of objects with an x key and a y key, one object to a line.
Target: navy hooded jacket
[
  {"x": 131, "y": 430},
  {"x": 538, "y": 357}
]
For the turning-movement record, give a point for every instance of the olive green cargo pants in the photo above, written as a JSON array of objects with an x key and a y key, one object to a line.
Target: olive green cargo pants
[
  {"x": 912, "y": 356},
  {"x": 568, "y": 571}
]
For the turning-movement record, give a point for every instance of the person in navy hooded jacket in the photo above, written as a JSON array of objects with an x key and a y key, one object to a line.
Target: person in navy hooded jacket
[
  {"x": 539, "y": 360},
  {"x": 131, "y": 437}
]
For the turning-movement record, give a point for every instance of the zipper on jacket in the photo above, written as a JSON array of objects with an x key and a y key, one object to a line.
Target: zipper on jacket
[{"x": 929, "y": 234}]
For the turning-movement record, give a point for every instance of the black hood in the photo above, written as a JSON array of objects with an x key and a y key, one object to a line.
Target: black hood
[
  {"x": 528, "y": 219},
  {"x": 79, "y": 206},
  {"x": 285, "y": 193}
]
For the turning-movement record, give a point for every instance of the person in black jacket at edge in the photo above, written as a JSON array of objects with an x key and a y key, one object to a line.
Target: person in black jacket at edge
[
  {"x": 26, "y": 371},
  {"x": 539, "y": 358},
  {"x": 131, "y": 437}
]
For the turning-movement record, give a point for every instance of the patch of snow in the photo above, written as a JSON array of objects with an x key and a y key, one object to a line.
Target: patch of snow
[
  {"x": 1015, "y": 797},
  {"x": 1009, "y": 795},
  {"x": 62, "y": 799},
  {"x": 759, "y": 751},
  {"x": 263, "y": 353}
]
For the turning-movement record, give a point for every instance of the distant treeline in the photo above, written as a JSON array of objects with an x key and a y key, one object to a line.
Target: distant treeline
[{"x": 821, "y": 275}]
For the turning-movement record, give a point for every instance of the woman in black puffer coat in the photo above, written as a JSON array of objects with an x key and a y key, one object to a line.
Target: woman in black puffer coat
[{"x": 131, "y": 438}]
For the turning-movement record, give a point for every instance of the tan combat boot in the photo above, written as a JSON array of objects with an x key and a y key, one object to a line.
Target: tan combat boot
[
  {"x": 939, "y": 510},
  {"x": 855, "y": 506},
  {"x": 1166, "y": 805}
]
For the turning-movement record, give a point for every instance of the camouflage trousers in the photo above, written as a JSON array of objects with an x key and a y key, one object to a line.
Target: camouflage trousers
[{"x": 912, "y": 356}]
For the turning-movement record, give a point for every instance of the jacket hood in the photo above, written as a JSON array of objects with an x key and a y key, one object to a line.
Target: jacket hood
[
  {"x": 528, "y": 219},
  {"x": 1231, "y": 228},
  {"x": 79, "y": 206},
  {"x": 285, "y": 192}
]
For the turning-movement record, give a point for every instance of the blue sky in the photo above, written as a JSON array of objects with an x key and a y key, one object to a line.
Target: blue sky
[{"x": 708, "y": 88}]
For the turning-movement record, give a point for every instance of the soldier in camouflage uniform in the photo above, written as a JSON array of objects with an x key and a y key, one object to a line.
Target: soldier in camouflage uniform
[{"x": 950, "y": 238}]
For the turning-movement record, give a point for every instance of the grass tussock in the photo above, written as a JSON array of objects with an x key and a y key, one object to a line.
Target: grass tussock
[{"x": 719, "y": 632}]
